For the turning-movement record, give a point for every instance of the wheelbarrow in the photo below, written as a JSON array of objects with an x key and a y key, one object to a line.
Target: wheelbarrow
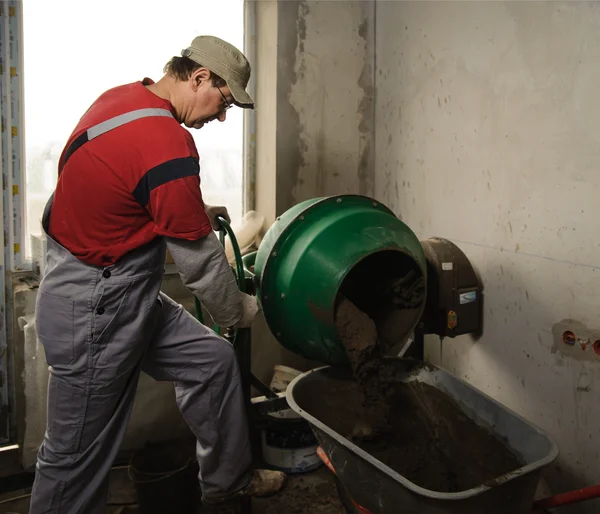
[
  {"x": 559, "y": 500},
  {"x": 375, "y": 488}
]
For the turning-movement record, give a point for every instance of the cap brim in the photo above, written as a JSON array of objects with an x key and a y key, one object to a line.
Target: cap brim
[{"x": 240, "y": 97}]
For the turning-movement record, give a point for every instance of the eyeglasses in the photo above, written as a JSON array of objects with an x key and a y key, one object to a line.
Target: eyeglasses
[{"x": 227, "y": 104}]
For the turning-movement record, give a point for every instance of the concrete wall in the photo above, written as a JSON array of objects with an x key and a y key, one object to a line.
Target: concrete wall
[
  {"x": 325, "y": 78},
  {"x": 487, "y": 119},
  {"x": 314, "y": 117}
]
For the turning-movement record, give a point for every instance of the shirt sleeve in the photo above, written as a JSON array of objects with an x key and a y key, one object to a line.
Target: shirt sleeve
[
  {"x": 175, "y": 200},
  {"x": 170, "y": 186},
  {"x": 205, "y": 271}
]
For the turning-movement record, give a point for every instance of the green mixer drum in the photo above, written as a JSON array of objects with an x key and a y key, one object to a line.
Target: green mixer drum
[{"x": 306, "y": 256}]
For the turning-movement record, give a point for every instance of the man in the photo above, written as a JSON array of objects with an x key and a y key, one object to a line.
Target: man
[{"x": 128, "y": 189}]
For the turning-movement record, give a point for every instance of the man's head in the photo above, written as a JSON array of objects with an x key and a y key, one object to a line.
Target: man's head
[{"x": 210, "y": 77}]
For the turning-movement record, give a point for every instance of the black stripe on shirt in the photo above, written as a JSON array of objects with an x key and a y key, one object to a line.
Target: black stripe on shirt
[
  {"x": 163, "y": 173},
  {"x": 79, "y": 141}
]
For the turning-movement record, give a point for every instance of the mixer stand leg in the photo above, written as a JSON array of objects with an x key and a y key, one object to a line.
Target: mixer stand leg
[{"x": 243, "y": 350}]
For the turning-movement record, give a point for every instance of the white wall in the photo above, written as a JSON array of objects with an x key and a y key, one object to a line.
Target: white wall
[{"x": 487, "y": 119}]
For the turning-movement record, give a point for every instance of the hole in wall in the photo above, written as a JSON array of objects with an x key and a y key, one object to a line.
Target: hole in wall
[{"x": 568, "y": 338}]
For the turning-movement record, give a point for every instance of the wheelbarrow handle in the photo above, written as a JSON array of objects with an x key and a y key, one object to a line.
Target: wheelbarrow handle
[
  {"x": 323, "y": 456},
  {"x": 569, "y": 498}
]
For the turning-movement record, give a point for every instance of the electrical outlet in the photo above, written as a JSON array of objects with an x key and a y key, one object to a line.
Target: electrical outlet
[{"x": 574, "y": 339}]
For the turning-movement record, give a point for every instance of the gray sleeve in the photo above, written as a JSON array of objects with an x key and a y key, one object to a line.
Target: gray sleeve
[{"x": 205, "y": 271}]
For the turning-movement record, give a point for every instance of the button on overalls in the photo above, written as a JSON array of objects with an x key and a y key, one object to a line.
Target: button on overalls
[{"x": 100, "y": 327}]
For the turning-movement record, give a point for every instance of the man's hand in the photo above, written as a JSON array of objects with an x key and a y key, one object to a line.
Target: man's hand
[
  {"x": 251, "y": 309},
  {"x": 216, "y": 210}
]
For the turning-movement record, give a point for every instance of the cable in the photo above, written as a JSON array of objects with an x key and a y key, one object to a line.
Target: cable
[{"x": 10, "y": 500}]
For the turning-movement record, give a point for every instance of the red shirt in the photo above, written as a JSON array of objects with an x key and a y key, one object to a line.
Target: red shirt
[{"x": 122, "y": 189}]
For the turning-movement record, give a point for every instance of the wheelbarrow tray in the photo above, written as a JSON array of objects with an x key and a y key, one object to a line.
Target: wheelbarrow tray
[{"x": 381, "y": 490}]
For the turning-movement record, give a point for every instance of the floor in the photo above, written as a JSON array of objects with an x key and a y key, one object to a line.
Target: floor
[
  {"x": 310, "y": 493},
  {"x": 314, "y": 493}
]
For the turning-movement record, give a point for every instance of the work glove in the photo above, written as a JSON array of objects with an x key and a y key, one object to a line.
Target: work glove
[
  {"x": 250, "y": 309},
  {"x": 216, "y": 210}
]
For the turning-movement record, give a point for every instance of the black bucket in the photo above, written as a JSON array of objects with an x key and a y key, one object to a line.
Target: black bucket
[{"x": 165, "y": 476}]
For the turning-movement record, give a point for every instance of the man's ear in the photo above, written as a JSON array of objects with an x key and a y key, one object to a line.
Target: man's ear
[{"x": 198, "y": 77}]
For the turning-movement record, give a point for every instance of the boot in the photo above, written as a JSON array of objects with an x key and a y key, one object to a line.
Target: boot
[{"x": 265, "y": 482}]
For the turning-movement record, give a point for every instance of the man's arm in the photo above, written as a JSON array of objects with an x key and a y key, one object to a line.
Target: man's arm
[
  {"x": 170, "y": 192},
  {"x": 205, "y": 271}
]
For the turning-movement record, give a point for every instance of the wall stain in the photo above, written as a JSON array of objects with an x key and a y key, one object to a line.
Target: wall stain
[
  {"x": 366, "y": 108},
  {"x": 289, "y": 148},
  {"x": 301, "y": 147}
]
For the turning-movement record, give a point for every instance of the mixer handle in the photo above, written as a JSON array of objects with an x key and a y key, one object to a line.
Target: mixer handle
[{"x": 225, "y": 228}]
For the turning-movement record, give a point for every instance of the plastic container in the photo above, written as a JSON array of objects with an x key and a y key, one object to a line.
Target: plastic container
[
  {"x": 247, "y": 232},
  {"x": 282, "y": 376},
  {"x": 165, "y": 476},
  {"x": 288, "y": 442},
  {"x": 381, "y": 490},
  {"x": 289, "y": 445}
]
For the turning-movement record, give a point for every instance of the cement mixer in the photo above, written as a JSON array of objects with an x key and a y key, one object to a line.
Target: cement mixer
[
  {"x": 354, "y": 246},
  {"x": 351, "y": 246},
  {"x": 326, "y": 246}
]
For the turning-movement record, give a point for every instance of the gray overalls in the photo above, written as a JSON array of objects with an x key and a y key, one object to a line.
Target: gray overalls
[{"x": 100, "y": 327}]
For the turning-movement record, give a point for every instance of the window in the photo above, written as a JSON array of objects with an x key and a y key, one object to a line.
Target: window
[{"x": 74, "y": 51}]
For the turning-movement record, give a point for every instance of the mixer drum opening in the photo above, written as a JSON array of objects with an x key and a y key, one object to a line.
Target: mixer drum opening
[{"x": 390, "y": 287}]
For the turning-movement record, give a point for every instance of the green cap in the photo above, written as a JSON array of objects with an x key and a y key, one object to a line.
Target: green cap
[{"x": 226, "y": 61}]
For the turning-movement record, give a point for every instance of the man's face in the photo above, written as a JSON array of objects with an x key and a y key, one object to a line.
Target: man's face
[{"x": 206, "y": 102}]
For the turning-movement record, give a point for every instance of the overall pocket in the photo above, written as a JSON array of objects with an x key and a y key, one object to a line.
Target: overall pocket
[
  {"x": 54, "y": 323},
  {"x": 66, "y": 412}
]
